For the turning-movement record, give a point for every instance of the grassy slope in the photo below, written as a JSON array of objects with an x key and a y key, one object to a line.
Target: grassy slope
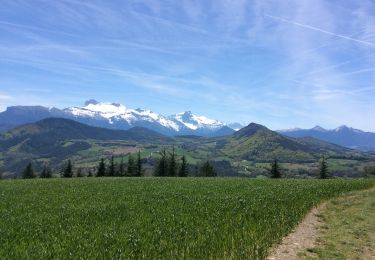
[
  {"x": 349, "y": 229},
  {"x": 154, "y": 218}
]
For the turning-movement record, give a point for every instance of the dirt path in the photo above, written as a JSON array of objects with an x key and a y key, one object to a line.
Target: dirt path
[
  {"x": 301, "y": 239},
  {"x": 342, "y": 228}
]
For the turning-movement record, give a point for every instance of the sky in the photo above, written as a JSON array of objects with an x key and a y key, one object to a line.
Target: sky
[{"x": 283, "y": 63}]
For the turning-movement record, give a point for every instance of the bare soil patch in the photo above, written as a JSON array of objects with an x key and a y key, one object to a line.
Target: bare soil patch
[
  {"x": 301, "y": 240},
  {"x": 123, "y": 150}
]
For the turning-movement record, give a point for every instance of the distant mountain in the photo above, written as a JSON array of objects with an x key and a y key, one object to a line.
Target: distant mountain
[
  {"x": 343, "y": 135},
  {"x": 116, "y": 116},
  {"x": 256, "y": 142},
  {"x": 57, "y": 139},
  {"x": 188, "y": 123},
  {"x": 47, "y": 133},
  {"x": 54, "y": 140},
  {"x": 235, "y": 126},
  {"x": 18, "y": 115}
]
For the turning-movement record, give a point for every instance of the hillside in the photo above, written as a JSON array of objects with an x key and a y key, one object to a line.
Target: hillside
[
  {"x": 256, "y": 142},
  {"x": 343, "y": 136},
  {"x": 56, "y": 139},
  {"x": 53, "y": 130}
]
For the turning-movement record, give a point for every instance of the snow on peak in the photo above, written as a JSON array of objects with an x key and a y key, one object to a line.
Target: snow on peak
[
  {"x": 347, "y": 128},
  {"x": 108, "y": 109},
  {"x": 235, "y": 126},
  {"x": 318, "y": 128},
  {"x": 115, "y": 112},
  {"x": 290, "y": 130},
  {"x": 194, "y": 122},
  {"x": 340, "y": 128},
  {"x": 91, "y": 101}
]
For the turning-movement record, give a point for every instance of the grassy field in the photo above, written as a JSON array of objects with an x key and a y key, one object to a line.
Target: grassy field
[
  {"x": 148, "y": 218},
  {"x": 349, "y": 228}
]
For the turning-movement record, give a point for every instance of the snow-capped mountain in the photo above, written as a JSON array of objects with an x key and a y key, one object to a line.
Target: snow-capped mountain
[
  {"x": 118, "y": 116},
  {"x": 189, "y": 123},
  {"x": 343, "y": 135},
  {"x": 235, "y": 126}
]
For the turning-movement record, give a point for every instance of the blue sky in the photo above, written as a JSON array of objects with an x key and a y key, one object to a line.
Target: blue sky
[{"x": 279, "y": 63}]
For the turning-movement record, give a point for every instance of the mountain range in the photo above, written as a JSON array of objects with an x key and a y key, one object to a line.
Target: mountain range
[
  {"x": 343, "y": 135},
  {"x": 54, "y": 140},
  {"x": 118, "y": 116}
]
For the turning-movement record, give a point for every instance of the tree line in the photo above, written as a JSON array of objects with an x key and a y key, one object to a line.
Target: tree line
[
  {"x": 168, "y": 165},
  {"x": 275, "y": 169}
]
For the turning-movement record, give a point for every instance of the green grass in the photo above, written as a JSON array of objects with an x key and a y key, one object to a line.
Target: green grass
[
  {"x": 349, "y": 228},
  {"x": 149, "y": 218}
]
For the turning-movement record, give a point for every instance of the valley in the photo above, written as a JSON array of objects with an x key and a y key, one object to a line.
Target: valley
[{"x": 248, "y": 152}]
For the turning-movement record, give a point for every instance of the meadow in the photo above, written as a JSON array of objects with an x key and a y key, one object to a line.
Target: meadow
[{"x": 148, "y": 218}]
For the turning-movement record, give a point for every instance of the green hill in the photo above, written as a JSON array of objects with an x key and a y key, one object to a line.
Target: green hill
[
  {"x": 257, "y": 143},
  {"x": 56, "y": 139}
]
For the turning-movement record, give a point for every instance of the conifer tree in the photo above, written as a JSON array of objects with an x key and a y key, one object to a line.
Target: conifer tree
[
  {"x": 79, "y": 173},
  {"x": 139, "y": 169},
  {"x": 131, "y": 166},
  {"x": 112, "y": 168},
  {"x": 67, "y": 171},
  {"x": 28, "y": 173},
  {"x": 121, "y": 170},
  {"x": 275, "y": 169},
  {"x": 46, "y": 172},
  {"x": 207, "y": 170},
  {"x": 183, "y": 172},
  {"x": 161, "y": 167},
  {"x": 101, "y": 169},
  {"x": 366, "y": 171},
  {"x": 323, "y": 168},
  {"x": 172, "y": 164}
]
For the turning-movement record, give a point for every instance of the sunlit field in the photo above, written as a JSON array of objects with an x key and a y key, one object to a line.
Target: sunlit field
[{"x": 165, "y": 218}]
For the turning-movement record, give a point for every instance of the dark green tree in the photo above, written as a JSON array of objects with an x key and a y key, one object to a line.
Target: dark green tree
[
  {"x": 28, "y": 173},
  {"x": 368, "y": 171},
  {"x": 183, "y": 171},
  {"x": 67, "y": 171},
  {"x": 101, "y": 169},
  {"x": 46, "y": 172},
  {"x": 112, "y": 168},
  {"x": 207, "y": 170},
  {"x": 90, "y": 173},
  {"x": 172, "y": 163},
  {"x": 121, "y": 171},
  {"x": 161, "y": 167},
  {"x": 132, "y": 168},
  {"x": 79, "y": 173},
  {"x": 275, "y": 169},
  {"x": 139, "y": 170},
  {"x": 323, "y": 168}
]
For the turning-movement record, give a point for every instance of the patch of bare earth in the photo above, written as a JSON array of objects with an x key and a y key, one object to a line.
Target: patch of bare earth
[
  {"x": 123, "y": 150},
  {"x": 299, "y": 241}
]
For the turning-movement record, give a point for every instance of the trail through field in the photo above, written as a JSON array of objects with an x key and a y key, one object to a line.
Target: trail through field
[
  {"x": 302, "y": 238},
  {"x": 341, "y": 228},
  {"x": 348, "y": 228}
]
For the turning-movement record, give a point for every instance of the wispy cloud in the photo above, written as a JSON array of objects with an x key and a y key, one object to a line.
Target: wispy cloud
[
  {"x": 276, "y": 62},
  {"x": 321, "y": 30}
]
